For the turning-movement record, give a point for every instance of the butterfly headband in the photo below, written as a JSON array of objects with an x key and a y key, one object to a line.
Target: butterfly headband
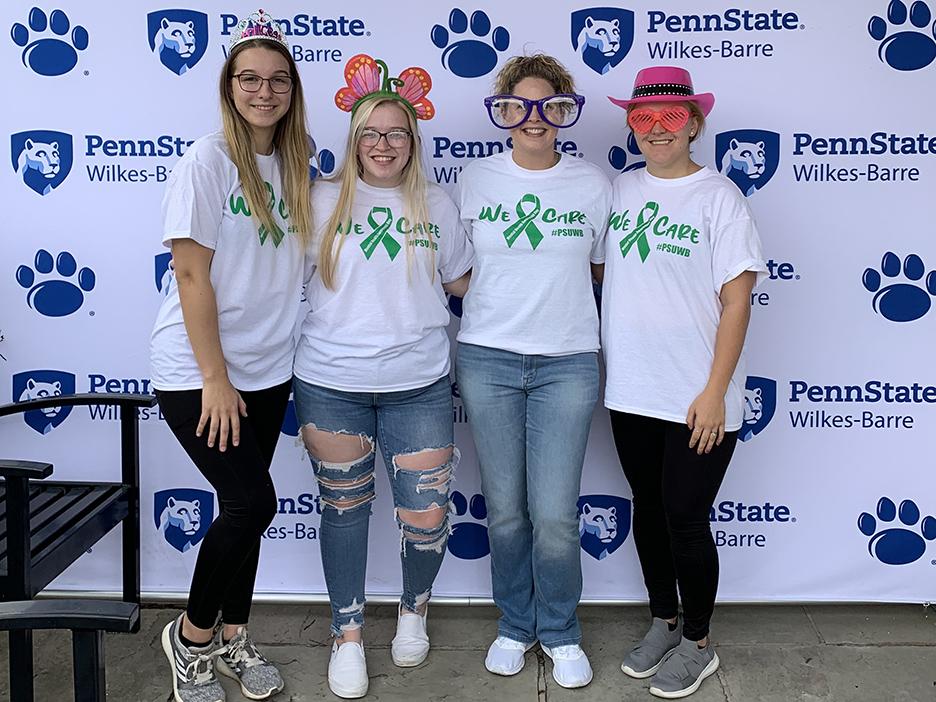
[{"x": 368, "y": 79}]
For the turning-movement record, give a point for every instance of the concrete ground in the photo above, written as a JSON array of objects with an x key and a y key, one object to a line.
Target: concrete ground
[{"x": 845, "y": 653}]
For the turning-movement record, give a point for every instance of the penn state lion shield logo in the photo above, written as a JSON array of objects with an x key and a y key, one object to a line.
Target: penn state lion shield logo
[
  {"x": 760, "y": 403},
  {"x": 604, "y": 523},
  {"x": 602, "y": 36},
  {"x": 42, "y": 158},
  {"x": 38, "y": 385},
  {"x": 178, "y": 38},
  {"x": 183, "y": 515},
  {"x": 749, "y": 157}
]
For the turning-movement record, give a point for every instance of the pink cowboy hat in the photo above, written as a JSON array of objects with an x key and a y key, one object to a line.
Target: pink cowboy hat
[{"x": 665, "y": 84}]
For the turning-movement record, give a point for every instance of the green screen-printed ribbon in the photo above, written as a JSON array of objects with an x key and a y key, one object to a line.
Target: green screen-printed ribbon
[
  {"x": 276, "y": 234},
  {"x": 380, "y": 232},
  {"x": 639, "y": 234},
  {"x": 525, "y": 225}
]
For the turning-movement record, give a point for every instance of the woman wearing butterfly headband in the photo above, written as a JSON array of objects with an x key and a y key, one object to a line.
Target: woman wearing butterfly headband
[
  {"x": 373, "y": 359},
  {"x": 527, "y": 363},
  {"x": 237, "y": 216},
  {"x": 683, "y": 256}
]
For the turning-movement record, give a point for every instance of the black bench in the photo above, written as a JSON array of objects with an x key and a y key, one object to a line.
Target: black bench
[
  {"x": 47, "y": 525},
  {"x": 87, "y": 620}
]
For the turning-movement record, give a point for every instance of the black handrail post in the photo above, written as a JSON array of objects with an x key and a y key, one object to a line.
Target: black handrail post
[
  {"x": 19, "y": 564},
  {"x": 130, "y": 476},
  {"x": 88, "y": 659}
]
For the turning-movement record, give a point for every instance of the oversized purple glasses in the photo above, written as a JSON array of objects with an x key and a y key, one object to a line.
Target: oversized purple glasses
[{"x": 510, "y": 111}]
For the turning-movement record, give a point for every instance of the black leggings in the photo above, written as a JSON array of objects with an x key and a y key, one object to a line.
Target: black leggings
[
  {"x": 674, "y": 490},
  {"x": 226, "y": 568}
]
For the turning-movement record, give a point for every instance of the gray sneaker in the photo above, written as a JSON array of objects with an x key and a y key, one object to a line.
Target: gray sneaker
[
  {"x": 644, "y": 659},
  {"x": 683, "y": 670},
  {"x": 240, "y": 659},
  {"x": 193, "y": 676}
]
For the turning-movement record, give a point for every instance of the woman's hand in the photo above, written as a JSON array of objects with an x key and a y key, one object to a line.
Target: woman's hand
[
  {"x": 706, "y": 419},
  {"x": 222, "y": 408}
]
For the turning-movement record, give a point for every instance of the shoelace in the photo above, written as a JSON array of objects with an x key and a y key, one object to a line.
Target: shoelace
[
  {"x": 567, "y": 652},
  {"x": 200, "y": 670},
  {"x": 509, "y": 644},
  {"x": 242, "y": 651}
]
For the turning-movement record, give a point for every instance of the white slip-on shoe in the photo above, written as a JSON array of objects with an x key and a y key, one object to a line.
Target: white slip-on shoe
[
  {"x": 347, "y": 670},
  {"x": 410, "y": 646},
  {"x": 506, "y": 656},
  {"x": 570, "y": 665}
]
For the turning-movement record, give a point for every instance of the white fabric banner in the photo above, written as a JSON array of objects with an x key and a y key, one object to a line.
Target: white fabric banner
[{"x": 823, "y": 118}]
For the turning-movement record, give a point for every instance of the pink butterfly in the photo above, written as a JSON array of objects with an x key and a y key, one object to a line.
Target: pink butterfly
[{"x": 363, "y": 77}]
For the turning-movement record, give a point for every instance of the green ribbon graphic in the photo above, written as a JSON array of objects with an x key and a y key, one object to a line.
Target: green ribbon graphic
[
  {"x": 525, "y": 224},
  {"x": 380, "y": 232},
  {"x": 276, "y": 234},
  {"x": 639, "y": 234}
]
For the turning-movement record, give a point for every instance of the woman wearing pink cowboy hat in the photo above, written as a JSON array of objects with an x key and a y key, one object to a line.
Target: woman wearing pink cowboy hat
[{"x": 683, "y": 254}]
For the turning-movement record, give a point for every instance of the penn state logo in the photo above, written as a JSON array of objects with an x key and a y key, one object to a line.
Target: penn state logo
[
  {"x": 42, "y": 158},
  {"x": 183, "y": 515},
  {"x": 178, "y": 38},
  {"x": 760, "y": 403},
  {"x": 164, "y": 271},
  {"x": 602, "y": 36},
  {"x": 604, "y": 523},
  {"x": 37, "y": 385},
  {"x": 749, "y": 157}
]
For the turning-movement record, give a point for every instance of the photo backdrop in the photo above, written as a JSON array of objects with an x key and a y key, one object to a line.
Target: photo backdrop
[{"x": 824, "y": 119}]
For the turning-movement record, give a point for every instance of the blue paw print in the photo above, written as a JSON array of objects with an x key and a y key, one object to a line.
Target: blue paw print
[
  {"x": 900, "y": 302},
  {"x": 55, "y": 297},
  {"x": 322, "y": 164},
  {"x": 50, "y": 55},
  {"x": 897, "y": 546},
  {"x": 470, "y": 58},
  {"x": 907, "y": 50},
  {"x": 469, "y": 540},
  {"x": 617, "y": 156}
]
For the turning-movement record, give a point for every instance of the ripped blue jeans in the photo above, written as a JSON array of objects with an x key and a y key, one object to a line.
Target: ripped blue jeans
[{"x": 404, "y": 424}]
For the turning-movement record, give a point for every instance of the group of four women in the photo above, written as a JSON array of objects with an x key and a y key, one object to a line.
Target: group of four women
[{"x": 378, "y": 248}]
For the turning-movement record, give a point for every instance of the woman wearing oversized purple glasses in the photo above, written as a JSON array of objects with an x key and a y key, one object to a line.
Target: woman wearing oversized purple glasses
[{"x": 527, "y": 363}]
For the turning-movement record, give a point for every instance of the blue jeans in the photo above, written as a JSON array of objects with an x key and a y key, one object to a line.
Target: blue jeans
[
  {"x": 530, "y": 416},
  {"x": 403, "y": 422}
]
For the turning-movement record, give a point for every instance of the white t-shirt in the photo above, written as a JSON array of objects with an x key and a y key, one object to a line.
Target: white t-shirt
[
  {"x": 672, "y": 244},
  {"x": 534, "y": 234},
  {"x": 256, "y": 281},
  {"x": 383, "y": 327}
]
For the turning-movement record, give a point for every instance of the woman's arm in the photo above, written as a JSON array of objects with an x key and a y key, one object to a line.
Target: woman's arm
[
  {"x": 597, "y": 271},
  {"x": 222, "y": 405},
  {"x": 459, "y": 286},
  {"x": 707, "y": 412}
]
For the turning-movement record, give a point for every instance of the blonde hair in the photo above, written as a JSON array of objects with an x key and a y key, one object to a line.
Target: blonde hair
[
  {"x": 290, "y": 141},
  {"x": 415, "y": 198},
  {"x": 535, "y": 66}
]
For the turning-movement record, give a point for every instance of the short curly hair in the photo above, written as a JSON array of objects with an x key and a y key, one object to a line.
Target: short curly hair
[{"x": 535, "y": 66}]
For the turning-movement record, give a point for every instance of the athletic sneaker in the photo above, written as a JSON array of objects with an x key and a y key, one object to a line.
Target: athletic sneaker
[
  {"x": 570, "y": 665},
  {"x": 644, "y": 659},
  {"x": 683, "y": 670},
  {"x": 506, "y": 656},
  {"x": 193, "y": 675},
  {"x": 240, "y": 659},
  {"x": 347, "y": 670},
  {"x": 410, "y": 646}
]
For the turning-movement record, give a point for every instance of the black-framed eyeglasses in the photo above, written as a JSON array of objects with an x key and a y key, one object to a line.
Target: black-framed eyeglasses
[
  {"x": 251, "y": 83},
  {"x": 396, "y": 138},
  {"x": 510, "y": 111}
]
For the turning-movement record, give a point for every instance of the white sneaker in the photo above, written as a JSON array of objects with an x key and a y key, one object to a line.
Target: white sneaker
[
  {"x": 410, "y": 646},
  {"x": 347, "y": 670},
  {"x": 570, "y": 665},
  {"x": 505, "y": 656}
]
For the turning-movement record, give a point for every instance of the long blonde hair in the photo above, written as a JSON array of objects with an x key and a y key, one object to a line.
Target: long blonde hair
[
  {"x": 415, "y": 198},
  {"x": 290, "y": 141}
]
